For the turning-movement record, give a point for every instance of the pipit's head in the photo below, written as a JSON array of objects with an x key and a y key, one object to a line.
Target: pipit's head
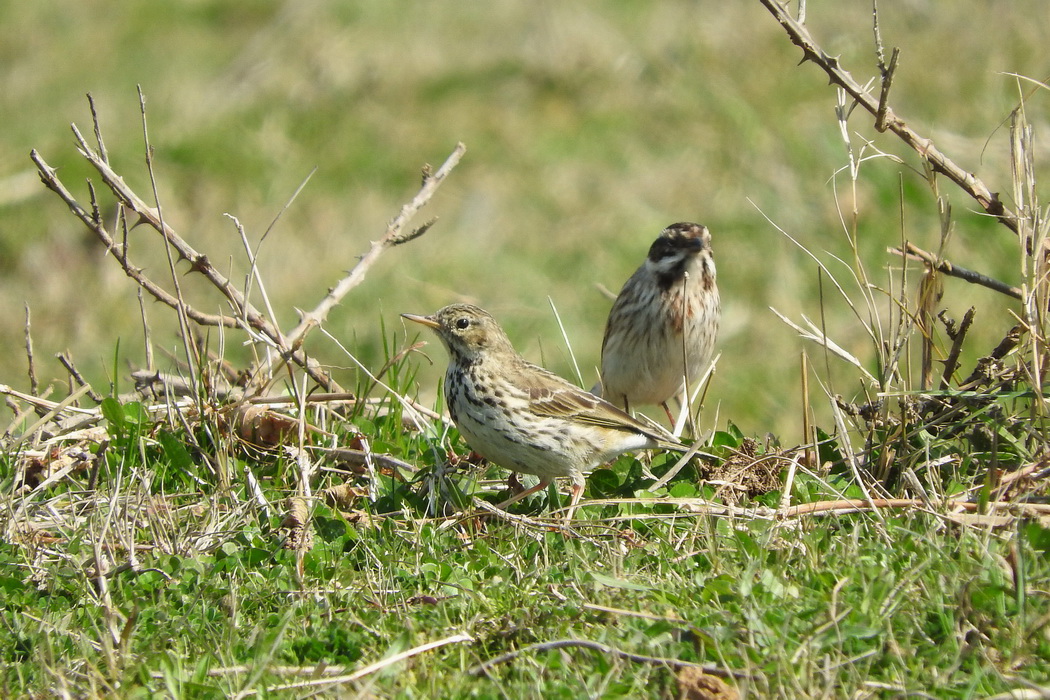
[
  {"x": 467, "y": 331},
  {"x": 677, "y": 245}
]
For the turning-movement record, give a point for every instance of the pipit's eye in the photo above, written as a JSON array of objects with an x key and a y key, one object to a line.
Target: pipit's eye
[{"x": 462, "y": 323}]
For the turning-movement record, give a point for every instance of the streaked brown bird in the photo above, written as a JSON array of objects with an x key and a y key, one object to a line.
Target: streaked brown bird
[
  {"x": 662, "y": 327},
  {"x": 523, "y": 417}
]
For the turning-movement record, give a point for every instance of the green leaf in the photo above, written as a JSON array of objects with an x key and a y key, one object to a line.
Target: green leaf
[
  {"x": 113, "y": 412},
  {"x": 747, "y": 543},
  {"x": 175, "y": 450},
  {"x": 135, "y": 413},
  {"x": 603, "y": 483},
  {"x": 1039, "y": 537},
  {"x": 682, "y": 489},
  {"x": 329, "y": 529},
  {"x": 724, "y": 438},
  {"x": 827, "y": 449}
]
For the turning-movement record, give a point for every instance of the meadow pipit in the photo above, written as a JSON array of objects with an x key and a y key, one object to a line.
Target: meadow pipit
[
  {"x": 662, "y": 327},
  {"x": 523, "y": 417}
]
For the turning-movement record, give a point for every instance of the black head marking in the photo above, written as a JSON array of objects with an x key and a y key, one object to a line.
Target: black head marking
[{"x": 676, "y": 245}]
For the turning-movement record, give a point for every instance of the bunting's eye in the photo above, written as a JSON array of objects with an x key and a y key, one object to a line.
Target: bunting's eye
[{"x": 462, "y": 323}]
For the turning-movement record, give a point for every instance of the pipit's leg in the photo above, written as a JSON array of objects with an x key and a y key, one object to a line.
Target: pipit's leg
[
  {"x": 577, "y": 494},
  {"x": 544, "y": 483}
]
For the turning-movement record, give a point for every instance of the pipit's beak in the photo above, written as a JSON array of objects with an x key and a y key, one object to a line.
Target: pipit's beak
[{"x": 425, "y": 320}]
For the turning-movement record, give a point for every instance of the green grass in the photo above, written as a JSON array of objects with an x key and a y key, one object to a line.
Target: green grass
[
  {"x": 200, "y": 598},
  {"x": 900, "y": 603},
  {"x": 155, "y": 564}
]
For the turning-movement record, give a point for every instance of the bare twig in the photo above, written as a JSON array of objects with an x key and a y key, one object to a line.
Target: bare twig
[
  {"x": 523, "y": 520},
  {"x": 1007, "y": 345},
  {"x": 884, "y": 94},
  {"x": 885, "y": 71},
  {"x": 198, "y": 261},
  {"x": 970, "y": 183},
  {"x": 149, "y": 215},
  {"x": 394, "y": 236},
  {"x": 146, "y": 337},
  {"x": 65, "y": 404},
  {"x": 940, "y": 265},
  {"x": 50, "y": 179},
  {"x": 957, "y": 334},
  {"x": 20, "y": 415},
  {"x": 98, "y": 130},
  {"x": 880, "y": 53},
  {"x": 855, "y": 505},
  {"x": 607, "y": 651},
  {"x": 34, "y": 385},
  {"x": 157, "y": 383},
  {"x": 354, "y": 400},
  {"x": 357, "y": 458},
  {"x": 243, "y": 315},
  {"x": 42, "y": 403},
  {"x": 193, "y": 357},
  {"x": 248, "y": 317},
  {"x": 67, "y": 362}
]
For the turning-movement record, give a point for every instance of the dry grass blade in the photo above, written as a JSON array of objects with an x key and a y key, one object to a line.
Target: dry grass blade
[
  {"x": 1034, "y": 237},
  {"x": 371, "y": 668},
  {"x": 54, "y": 410},
  {"x": 818, "y": 337},
  {"x": 608, "y": 651}
]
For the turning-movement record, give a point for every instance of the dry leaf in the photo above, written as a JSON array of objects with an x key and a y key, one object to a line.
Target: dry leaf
[
  {"x": 344, "y": 496},
  {"x": 261, "y": 426},
  {"x": 694, "y": 684}
]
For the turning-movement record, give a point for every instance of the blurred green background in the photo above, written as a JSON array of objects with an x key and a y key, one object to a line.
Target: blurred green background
[{"x": 590, "y": 126}]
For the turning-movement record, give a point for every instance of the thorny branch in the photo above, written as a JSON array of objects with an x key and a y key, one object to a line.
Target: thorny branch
[
  {"x": 247, "y": 316},
  {"x": 50, "y": 179},
  {"x": 244, "y": 314},
  {"x": 885, "y": 116},
  {"x": 395, "y": 235},
  {"x": 943, "y": 266}
]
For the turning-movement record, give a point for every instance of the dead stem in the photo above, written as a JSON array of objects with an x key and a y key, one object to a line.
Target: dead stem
[{"x": 970, "y": 183}]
